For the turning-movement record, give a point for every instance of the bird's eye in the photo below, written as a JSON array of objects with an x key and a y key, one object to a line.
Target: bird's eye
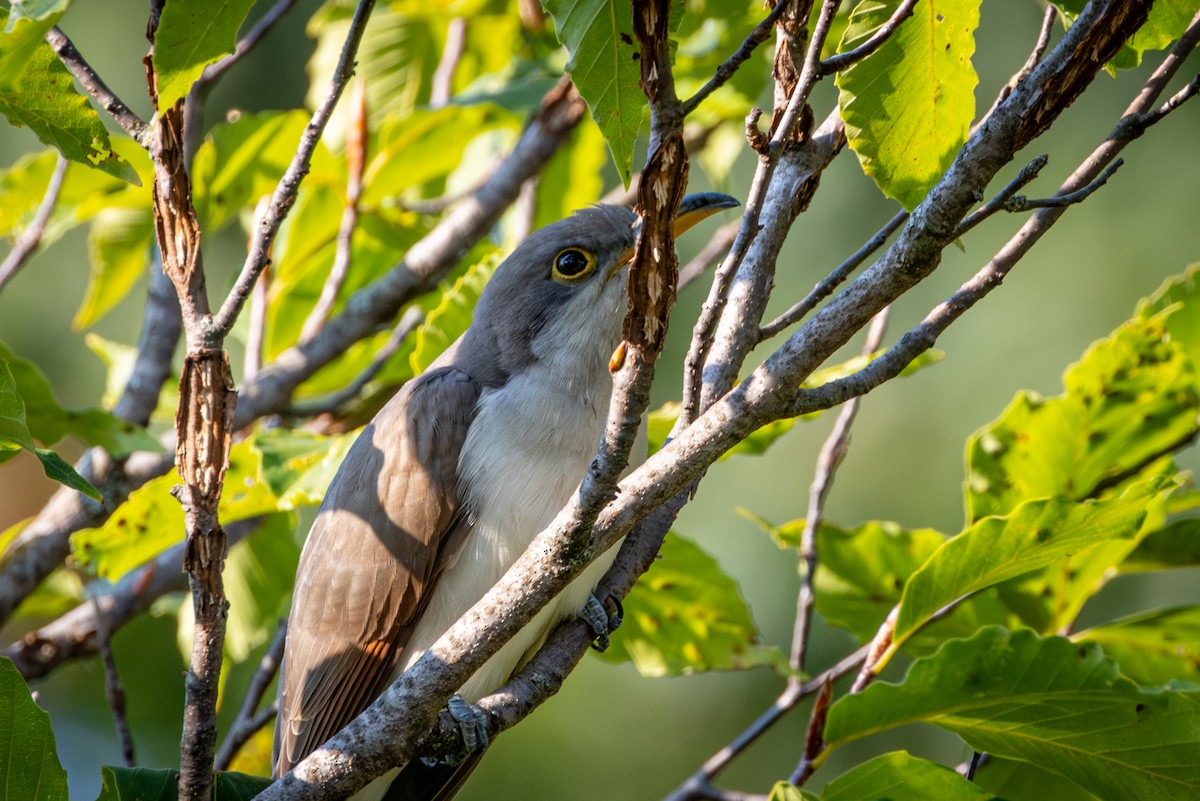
[{"x": 572, "y": 264}]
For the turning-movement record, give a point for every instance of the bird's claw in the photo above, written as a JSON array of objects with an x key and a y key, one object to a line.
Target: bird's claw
[
  {"x": 472, "y": 723},
  {"x": 603, "y": 624}
]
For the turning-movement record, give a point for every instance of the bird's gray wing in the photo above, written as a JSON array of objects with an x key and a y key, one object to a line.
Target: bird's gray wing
[{"x": 389, "y": 522}]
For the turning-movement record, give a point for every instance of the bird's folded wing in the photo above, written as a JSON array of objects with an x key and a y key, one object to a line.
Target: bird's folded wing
[{"x": 388, "y": 524}]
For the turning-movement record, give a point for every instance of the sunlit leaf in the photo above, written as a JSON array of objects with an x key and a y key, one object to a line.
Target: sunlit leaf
[
  {"x": 1180, "y": 294},
  {"x": 242, "y": 160},
  {"x": 686, "y": 615},
  {"x": 573, "y": 177},
  {"x": 1131, "y": 398},
  {"x": 1058, "y": 704},
  {"x": 261, "y": 479},
  {"x": 899, "y": 776},
  {"x": 25, "y": 27},
  {"x": 119, "y": 244},
  {"x": 1034, "y": 535},
  {"x": 191, "y": 36},
  {"x": 598, "y": 35},
  {"x": 1153, "y": 648},
  {"x": 786, "y": 791},
  {"x": 28, "y": 760},
  {"x": 908, "y": 105},
  {"x": 44, "y": 98}
]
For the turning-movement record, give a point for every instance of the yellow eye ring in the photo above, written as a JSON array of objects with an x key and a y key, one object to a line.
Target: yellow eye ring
[{"x": 572, "y": 264}]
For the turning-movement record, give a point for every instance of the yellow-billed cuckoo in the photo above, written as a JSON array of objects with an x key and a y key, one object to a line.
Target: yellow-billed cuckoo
[{"x": 454, "y": 477}]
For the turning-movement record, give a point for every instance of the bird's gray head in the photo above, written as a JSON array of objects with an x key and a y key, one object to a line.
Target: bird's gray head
[
  {"x": 559, "y": 299},
  {"x": 560, "y": 295}
]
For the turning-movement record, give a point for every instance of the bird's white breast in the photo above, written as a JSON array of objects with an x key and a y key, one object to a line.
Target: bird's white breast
[{"x": 525, "y": 454}]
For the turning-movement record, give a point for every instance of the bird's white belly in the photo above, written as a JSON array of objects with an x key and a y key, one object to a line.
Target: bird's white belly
[{"x": 526, "y": 453}]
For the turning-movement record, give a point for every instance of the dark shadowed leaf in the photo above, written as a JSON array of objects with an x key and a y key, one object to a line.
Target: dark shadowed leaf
[{"x": 29, "y": 766}]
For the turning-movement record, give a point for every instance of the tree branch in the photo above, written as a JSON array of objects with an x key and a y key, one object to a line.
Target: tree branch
[
  {"x": 730, "y": 66},
  {"x": 31, "y": 237},
  {"x": 841, "y": 61},
  {"x": 75, "y": 63}
]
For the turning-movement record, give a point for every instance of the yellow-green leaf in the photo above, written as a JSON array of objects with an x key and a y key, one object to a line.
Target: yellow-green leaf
[
  {"x": 192, "y": 35},
  {"x": 908, "y": 105}
]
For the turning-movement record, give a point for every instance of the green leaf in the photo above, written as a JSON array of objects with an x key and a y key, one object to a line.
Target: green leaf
[
  {"x": 242, "y": 161},
  {"x": 786, "y": 791},
  {"x": 862, "y": 571},
  {"x": 48, "y": 422},
  {"x": 1131, "y": 398},
  {"x": 448, "y": 320},
  {"x": 413, "y": 150},
  {"x": 191, "y": 36},
  {"x": 397, "y": 57},
  {"x": 1153, "y": 648},
  {"x": 119, "y": 244},
  {"x": 28, "y": 760},
  {"x": 118, "y": 360},
  {"x": 44, "y": 98},
  {"x": 598, "y": 35},
  {"x": 1011, "y": 779},
  {"x": 25, "y": 27},
  {"x": 899, "y": 776},
  {"x": 686, "y": 615},
  {"x": 1034, "y": 535},
  {"x": 261, "y": 479},
  {"x": 162, "y": 784},
  {"x": 1057, "y": 704},
  {"x": 15, "y": 435},
  {"x": 908, "y": 105}
]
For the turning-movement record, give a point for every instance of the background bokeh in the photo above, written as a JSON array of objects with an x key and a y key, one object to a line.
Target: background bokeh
[{"x": 611, "y": 734}]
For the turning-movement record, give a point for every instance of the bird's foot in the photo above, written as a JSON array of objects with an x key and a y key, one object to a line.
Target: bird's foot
[
  {"x": 603, "y": 622},
  {"x": 472, "y": 723}
]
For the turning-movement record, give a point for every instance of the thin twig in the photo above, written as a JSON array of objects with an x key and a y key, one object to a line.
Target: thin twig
[
  {"x": 1067, "y": 199},
  {"x": 1035, "y": 56},
  {"x": 787, "y": 700},
  {"x": 247, "y": 721},
  {"x": 718, "y": 244},
  {"x": 332, "y": 403},
  {"x": 1002, "y": 198},
  {"x": 1189, "y": 90},
  {"x": 285, "y": 192},
  {"x": 833, "y": 451},
  {"x": 730, "y": 66},
  {"x": 442, "y": 83},
  {"x": 244, "y": 45},
  {"x": 71, "y": 58},
  {"x": 31, "y": 237},
  {"x": 841, "y": 61},
  {"x": 114, "y": 690},
  {"x": 356, "y": 160},
  {"x": 978, "y": 758},
  {"x": 823, "y": 289}
]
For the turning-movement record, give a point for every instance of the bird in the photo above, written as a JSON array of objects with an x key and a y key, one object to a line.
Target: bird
[{"x": 446, "y": 487}]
